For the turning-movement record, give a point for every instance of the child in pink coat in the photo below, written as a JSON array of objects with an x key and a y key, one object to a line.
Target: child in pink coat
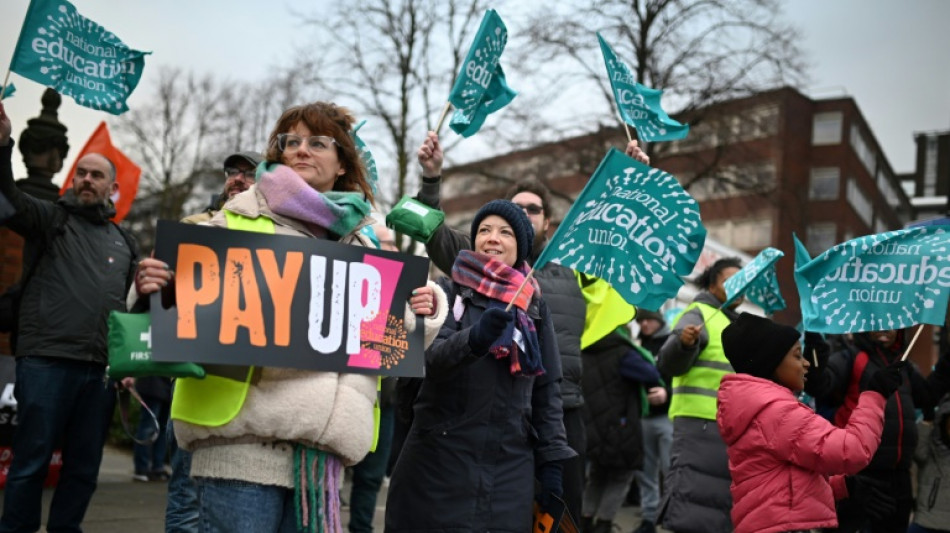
[{"x": 787, "y": 463}]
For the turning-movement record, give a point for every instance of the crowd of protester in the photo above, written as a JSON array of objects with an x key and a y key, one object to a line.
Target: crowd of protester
[{"x": 702, "y": 411}]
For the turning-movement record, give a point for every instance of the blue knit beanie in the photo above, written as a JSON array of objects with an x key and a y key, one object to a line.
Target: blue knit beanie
[{"x": 514, "y": 215}]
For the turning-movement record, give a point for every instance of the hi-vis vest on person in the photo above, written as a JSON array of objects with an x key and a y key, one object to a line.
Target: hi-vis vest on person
[
  {"x": 215, "y": 400},
  {"x": 694, "y": 393}
]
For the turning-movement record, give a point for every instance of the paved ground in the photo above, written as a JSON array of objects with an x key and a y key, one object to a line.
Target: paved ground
[{"x": 121, "y": 505}]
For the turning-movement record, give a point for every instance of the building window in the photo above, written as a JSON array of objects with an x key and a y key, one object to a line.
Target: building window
[
  {"x": 820, "y": 237},
  {"x": 862, "y": 150},
  {"x": 930, "y": 167},
  {"x": 826, "y": 128},
  {"x": 859, "y": 202},
  {"x": 885, "y": 182},
  {"x": 824, "y": 183},
  {"x": 749, "y": 234}
]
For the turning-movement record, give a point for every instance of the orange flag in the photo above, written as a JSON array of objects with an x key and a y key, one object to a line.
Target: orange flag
[{"x": 127, "y": 173}]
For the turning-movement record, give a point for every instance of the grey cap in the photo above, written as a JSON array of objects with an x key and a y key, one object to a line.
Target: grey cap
[{"x": 253, "y": 158}]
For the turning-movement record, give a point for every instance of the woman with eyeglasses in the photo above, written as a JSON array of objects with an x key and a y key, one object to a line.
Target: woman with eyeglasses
[{"x": 274, "y": 462}]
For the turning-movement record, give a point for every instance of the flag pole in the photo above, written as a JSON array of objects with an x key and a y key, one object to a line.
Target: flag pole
[
  {"x": 814, "y": 355},
  {"x": 3, "y": 88},
  {"x": 626, "y": 128},
  {"x": 912, "y": 341},
  {"x": 445, "y": 112},
  {"x": 523, "y": 283}
]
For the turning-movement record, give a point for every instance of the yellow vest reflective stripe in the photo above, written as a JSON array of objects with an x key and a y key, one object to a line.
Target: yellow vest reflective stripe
[
  {"x": 214, "y": 401},
  {"x": 694, "y": 393}
]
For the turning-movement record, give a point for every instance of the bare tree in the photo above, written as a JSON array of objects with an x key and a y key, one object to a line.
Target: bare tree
[
  {"x": 394, "y": 62},
  {"x": 700, "y": 52}
]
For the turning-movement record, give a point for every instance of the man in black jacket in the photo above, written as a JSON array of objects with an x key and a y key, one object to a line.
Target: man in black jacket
[
  {"x": 83, "y": 273},
  {"x": 559, "y": 289}
]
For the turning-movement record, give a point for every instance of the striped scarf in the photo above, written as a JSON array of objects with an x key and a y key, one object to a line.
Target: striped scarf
[
  {"x": 289, "y": 195},
  {"x": 499, "y": 282},
  {"x": 316, "y": 490}
]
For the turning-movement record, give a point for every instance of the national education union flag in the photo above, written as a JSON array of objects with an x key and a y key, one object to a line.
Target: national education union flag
[
  {"x": 757, "y": 282},
  {"x": 61, "y": 49},
  {"x": 891, "y": 280},
  {"x": 480, "y": 88},
  {"x": 639, "y": 105},
  {"x": 632, "y": 226}
]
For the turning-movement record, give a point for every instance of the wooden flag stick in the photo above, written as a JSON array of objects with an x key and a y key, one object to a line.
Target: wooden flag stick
[
  {"x": 814, "y": 355},
  {"x": 912, "y": 341},
  {"x": 3, "y": 88},
  {"x": 626, "y": 128},
  {"x": 445, "y": 112},
  {"x": 523, "y": 283}
]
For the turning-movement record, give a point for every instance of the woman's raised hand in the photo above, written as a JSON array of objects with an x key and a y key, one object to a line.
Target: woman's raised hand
[
  {"x": 423, "y": 301},
  {"x": 430, "y": 156}
]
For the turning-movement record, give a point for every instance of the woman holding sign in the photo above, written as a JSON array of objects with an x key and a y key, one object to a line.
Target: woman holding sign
[
  {"x": 268, "y": 453},
  {"x": 488, "y": 417}
]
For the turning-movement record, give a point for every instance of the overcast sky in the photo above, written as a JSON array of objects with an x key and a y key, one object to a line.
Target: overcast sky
[{"x": 890, "y": 56}]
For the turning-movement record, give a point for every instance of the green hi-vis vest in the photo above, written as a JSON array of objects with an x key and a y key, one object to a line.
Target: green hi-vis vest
[
  {"x": 694, "y": 393},
  {"x": 214, "y": 401}
]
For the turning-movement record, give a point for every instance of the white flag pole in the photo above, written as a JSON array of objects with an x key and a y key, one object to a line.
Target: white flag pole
[{"x": 912, "y": 341}]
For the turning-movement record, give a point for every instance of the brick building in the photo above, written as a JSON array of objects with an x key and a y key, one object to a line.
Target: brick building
[{"x": 761, "y": 168}]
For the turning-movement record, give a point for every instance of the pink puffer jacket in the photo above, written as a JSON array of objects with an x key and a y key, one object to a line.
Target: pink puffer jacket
[{"x": 787, "y": 463}]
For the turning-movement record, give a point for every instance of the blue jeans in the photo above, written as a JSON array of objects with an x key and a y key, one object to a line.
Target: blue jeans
[
  {"x": 151, "y": 457},
  {"x": 181, "y": 512},
  {"x": 227, "y": 506},
  {"x": 657, "y": 441},
  {"x": 368, "y": 476},
  {"x": 59, "y": 401}
]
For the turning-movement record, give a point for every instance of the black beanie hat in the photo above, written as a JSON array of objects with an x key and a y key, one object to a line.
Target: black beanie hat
[
  {"x": 755, "y": 345},
  {"x": 524, "y": 231}
]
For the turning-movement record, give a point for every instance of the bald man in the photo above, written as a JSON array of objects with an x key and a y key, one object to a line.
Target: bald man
[{"x": 82, "y": 266}]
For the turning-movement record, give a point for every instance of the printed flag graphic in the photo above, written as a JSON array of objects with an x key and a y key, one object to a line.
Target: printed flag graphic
[
  {"x": 632, "y": 226},
  {"x": 480, "y": 88},
  {"x": 61, "y": 49},
  {"x": 891, "y": 280},
  {"x": 127, "y": 173},
  {"x": 757, "y": 282},
  {"x": 639, "y": 105}
]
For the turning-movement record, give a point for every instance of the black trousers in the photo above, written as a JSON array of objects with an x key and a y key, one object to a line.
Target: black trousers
[{"x": 573, "y": 476}]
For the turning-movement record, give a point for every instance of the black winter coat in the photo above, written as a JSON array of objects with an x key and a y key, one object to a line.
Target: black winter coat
[
  {"x": 84, "y": 273},
  {"x": 559, "y": 288},
  {"x": 612, "y": 407},
  {"x": 477, "y": 434},
  {"x": 850, "y": 370}
]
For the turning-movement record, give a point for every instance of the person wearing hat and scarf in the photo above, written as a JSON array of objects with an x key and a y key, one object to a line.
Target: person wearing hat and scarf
[
  {"x": 788, "y": 464},
  {"x": 488, "y": 417}
]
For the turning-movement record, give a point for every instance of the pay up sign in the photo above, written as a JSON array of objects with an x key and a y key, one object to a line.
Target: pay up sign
[{"x": 245, "y": 298}]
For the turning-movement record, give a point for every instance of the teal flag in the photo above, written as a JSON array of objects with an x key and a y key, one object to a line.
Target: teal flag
[
  {"x": 639, "y": 105},
  {"x": 8, "y": 91},
  {"x": 369, "y": 162},
  {"x": 480, "y": 88},
  {"x": 891, "y": 280},
  {"x": 632, "y": 226},
  {"x": 61, "y": 49},
  {"x": 757, "y": 282}
]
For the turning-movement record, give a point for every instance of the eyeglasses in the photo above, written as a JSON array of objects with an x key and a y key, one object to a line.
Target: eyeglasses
[
  {"x": 315, "y": 143},
  {"x": 248, "y": 174},
  {"x": 531, "y": 209}
]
